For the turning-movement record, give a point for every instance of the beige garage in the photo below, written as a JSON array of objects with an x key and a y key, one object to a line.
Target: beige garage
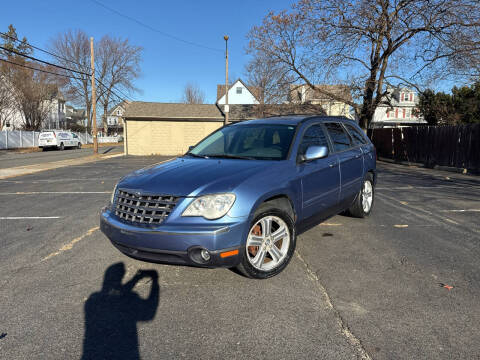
[{"x": 167, "y": 128}]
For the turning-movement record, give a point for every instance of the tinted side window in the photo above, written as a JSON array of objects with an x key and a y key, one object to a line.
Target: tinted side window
[
  {"x": 340, "y": 139},
  {"x": 357, "y": 137},
  {"x": 313, "y": 136}
]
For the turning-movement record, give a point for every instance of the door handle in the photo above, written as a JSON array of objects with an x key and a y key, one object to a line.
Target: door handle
[
  {"x": 357, "y": 156},
  {"x": 332, "y": 164}
]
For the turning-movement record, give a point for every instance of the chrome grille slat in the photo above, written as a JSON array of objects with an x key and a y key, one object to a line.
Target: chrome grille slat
[
  {"x": 143, "y": 209},
  {"x": 165, "y": 202}
]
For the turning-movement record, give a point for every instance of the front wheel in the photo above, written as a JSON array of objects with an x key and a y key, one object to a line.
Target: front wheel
[
  {"x": 269, "y": 246},
  {"x": 363, "y": 203}
]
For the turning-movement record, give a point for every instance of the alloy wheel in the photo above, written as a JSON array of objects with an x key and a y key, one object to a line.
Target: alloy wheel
[
  {"x": 267, "y": 243},
  {"x": 367, "y": 196}
]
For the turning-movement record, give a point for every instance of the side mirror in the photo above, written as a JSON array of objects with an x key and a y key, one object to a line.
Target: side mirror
[{"x": 315, "y": 152}]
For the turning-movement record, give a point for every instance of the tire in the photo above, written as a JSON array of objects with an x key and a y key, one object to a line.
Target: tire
[
  {"x": 79, "y": 146},
  {"x": 363, "y": 204},
  {"x": 270, "y": 256},
  {"x": 44, "y": 149},
  {"x": 62, "y": 147}
]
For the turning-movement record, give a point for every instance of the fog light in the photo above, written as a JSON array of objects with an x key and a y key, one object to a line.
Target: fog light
[{"x": 205, "y": 255}]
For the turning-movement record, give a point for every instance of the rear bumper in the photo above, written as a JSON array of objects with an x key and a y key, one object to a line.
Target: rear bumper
[{"x": 174, "y": 245}]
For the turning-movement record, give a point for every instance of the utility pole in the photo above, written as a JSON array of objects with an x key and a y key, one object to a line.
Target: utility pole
[
  {"x": 226, "y": 108},
  {"x": 94, "y": 100}
]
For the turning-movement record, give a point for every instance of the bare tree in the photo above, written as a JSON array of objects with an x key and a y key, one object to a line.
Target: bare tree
[
  {"x": 192, "y": 94},
  {"x": 73, "y": 50},
  {"x": 26, "y": 88},
  {"x": 118, "y": 63},
  {"x": 8, "y": 108},
  {"x": 272, "y": 79},
  {"x": 7, "y": 104},
  {"x": 367, "y": 44},
  {"x": 32, "y": 92}
]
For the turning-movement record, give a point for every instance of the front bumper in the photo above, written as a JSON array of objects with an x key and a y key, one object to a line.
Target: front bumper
[{"x": 179, "y": 245}]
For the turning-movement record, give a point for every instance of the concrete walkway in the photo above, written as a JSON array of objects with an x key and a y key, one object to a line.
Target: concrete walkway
[{"x": 31, "y": 169}]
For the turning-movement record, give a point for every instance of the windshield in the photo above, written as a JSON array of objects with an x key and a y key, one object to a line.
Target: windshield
[{"x": 253, "y": 141}]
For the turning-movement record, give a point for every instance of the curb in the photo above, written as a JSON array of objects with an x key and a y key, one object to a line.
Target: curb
[{"x": 436, "y": 167}]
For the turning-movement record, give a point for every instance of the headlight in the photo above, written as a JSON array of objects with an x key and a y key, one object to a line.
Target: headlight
[
  {"x": 210, "y": 206},
  {"x": 113, "y": 194}
]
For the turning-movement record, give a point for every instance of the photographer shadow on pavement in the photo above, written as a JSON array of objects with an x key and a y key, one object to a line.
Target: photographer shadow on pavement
[{"x": 111, "y": 315}]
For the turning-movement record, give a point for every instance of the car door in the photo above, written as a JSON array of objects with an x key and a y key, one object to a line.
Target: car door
[
  {"x": 350, "y": 158},
  {"x": 75, "y": 140},
  {"x": 320, "y": 179}
]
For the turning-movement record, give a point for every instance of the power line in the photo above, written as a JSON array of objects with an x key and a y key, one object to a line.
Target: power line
[
  {"x": 153, "y": 29},
  {"x": 42, "y": 50},
  {"x": 41, "y": 70},
  {"x": 113, "y": 87},
  {"x": 43, "y": 61},
  {"x": 57, "y": 66},
  {"x": 56, "y": 74},
  {"x": 111, "y": 90}
]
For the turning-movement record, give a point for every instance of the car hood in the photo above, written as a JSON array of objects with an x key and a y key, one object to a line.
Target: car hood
[{"x": 192, "y": 176}]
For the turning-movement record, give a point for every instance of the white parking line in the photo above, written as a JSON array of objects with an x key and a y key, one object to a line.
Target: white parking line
[
  {"x": 28, "y": 217},
  {"x": 461, "y": 210},
  {"x": 55, "y": 192},
  {"x": 411, "y": 187},
  {"x": 53, "y": 180}
]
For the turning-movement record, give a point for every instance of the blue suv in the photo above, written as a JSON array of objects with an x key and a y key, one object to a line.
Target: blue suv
[{"x": 242, "y": 195}]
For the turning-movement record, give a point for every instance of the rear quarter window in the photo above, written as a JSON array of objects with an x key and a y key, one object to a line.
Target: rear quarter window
[
  {"x": 340, "y": 139},
  {"x": 357, "y": 137}
]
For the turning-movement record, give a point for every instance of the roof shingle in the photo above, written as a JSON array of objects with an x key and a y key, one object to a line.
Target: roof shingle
[{"x": 154, "y": 110}]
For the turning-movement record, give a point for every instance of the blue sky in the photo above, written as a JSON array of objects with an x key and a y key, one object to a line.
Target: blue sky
[{"x": 168, "y": 64}]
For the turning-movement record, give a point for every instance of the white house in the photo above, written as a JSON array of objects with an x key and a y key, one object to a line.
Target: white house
[
  {"x": 398, "y": 108},
  {"x": 115, "y": 117},
  {"x": 56, "y": 117},
  {"x": 304, "y": 94},
  {"x": 75, "y": 116},
  {"x": 238, "y": 94},
  {"x": 115, "y": 114}
]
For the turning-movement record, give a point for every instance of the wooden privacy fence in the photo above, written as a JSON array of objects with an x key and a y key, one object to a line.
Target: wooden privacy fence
[{"x": 455, "y": 146}]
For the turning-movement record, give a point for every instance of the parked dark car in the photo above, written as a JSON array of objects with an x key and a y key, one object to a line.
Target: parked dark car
[{"x": 242, "y": 195}]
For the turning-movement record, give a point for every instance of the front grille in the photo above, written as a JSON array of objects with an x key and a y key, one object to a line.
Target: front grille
[{"x": 145, "y": 209}]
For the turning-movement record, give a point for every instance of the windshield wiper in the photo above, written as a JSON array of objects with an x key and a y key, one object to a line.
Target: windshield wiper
[
  {"x": 195, "y": 155},
  {"x": 228, "y": 156}
]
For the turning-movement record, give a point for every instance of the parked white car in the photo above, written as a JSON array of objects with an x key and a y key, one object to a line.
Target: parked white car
[{"x": 59, "y": 139}]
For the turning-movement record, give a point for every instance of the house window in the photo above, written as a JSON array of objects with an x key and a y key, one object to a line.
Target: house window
[
  {"x": 404, "y": 113},
  {"x": 396, "y": 112},
  {"x": 119, "y": 112},
  {"x": 388, "y": 114},
  {"x": 402, "y": 97},
  {"x": 411, "y": 97},
  {"x": 239, "y": 90}
]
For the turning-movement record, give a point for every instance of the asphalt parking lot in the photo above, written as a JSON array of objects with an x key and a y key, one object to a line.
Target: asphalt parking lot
[{"x": 372, "y": 288}]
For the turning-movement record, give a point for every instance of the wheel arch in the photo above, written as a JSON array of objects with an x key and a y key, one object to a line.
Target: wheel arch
[
  {"x": 281, "y": 201},
  {"x": 373, "y": 172}
]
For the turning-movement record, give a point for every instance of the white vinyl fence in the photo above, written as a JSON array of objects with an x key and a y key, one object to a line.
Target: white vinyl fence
[{"x": 23, "y": 139}]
